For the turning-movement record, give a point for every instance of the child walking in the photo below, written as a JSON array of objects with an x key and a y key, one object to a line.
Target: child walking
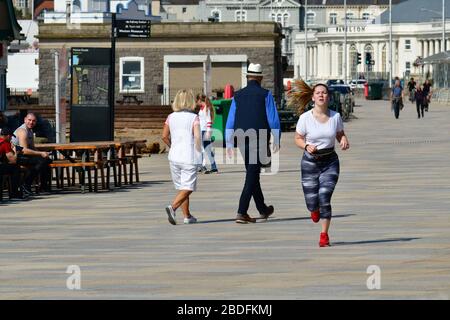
[{"x": 182, "y": 135}]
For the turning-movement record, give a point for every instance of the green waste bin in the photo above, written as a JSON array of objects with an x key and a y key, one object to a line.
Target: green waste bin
[
  {"x": 221, "y": 108},
  {"x": 375, "y": 91}
]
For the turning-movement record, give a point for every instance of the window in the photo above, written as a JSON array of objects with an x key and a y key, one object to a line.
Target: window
[
  {"x": 350, "y": 15},
  {"x": 76, "y": 6},
  {"x": 97, "y": 6},
  {"x": 408, "y": 67},
  {"x": 340, "y": 60},
  {"x": 407, "y": 44},
  {"x": 184, "y": 9},
  {"x": 366, "y": 16},
  {"x": 119, "y": 8},
  {"x": 310, "y": 18},
  {"x": 22, "y": 3},
  {"x": 333, "y": 18},
  {"x": 279, "y": 18},
  {"x": 285, "y": 19},
  {"x": 132, "y": 74},
  {"x": 240, "y": 16}
]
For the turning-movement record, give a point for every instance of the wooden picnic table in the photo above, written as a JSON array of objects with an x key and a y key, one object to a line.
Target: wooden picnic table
[{"x": 97, "y": 156}]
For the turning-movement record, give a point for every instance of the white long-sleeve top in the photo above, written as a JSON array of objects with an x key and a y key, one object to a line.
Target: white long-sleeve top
[{"x": 205, "y": 118}]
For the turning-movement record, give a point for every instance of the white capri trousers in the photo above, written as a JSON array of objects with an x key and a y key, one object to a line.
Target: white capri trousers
[{"x": 184, "y": 176}]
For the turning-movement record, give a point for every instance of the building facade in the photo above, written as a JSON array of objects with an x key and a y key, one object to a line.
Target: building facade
[
  {"x": 416, "y": 34},
  {"x": 173, "y": 58}
]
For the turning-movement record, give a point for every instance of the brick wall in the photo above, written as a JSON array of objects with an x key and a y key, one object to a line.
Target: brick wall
[{"x": 167, "y": 39}]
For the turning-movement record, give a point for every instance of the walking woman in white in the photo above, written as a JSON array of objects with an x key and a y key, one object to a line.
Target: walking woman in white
[{"x": 182, "y": 134}]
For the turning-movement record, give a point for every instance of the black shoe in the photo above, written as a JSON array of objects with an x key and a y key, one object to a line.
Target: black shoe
[
  {"x": 211, "y": 171},
  {"x": 18, "y": 196},
  {"x": 26, "y": 191},
  {"x": 268, "y": 213}
]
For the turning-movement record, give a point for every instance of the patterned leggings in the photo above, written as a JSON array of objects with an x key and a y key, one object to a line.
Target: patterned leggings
[{"x": 319, "y": 177}]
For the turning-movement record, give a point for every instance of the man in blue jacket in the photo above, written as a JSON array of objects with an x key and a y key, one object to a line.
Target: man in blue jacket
[{"x": 252, "y": 117}]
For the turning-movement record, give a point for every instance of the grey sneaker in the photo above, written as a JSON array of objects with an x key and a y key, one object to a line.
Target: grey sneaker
[
  {"x": 190, "y": 220},
  {"x": 171, "y": 215}
]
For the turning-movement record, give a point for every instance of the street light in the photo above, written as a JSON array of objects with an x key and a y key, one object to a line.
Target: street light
[
  {"x": 305, "y": 24},
  {"x": 390, "y": 44},
  {"x": 345, "y": 41}
]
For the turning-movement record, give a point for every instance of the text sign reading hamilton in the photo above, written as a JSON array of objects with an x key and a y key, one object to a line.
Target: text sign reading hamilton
[{"x": 133, "y": 28}]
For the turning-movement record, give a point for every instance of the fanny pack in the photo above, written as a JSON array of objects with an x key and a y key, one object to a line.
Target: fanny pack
[{"x": 323, "y": 153}]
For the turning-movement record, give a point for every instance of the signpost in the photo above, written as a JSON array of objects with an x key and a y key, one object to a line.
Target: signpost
[{"x": 133, "y": 28}]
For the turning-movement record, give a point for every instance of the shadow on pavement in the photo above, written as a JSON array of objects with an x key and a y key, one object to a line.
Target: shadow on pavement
[
  {"x": 344, "y": 243},
  {"x": 271, "y": 219}
]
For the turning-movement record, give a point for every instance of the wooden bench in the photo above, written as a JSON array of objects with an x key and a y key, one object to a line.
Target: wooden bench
[
  {"x": 60, "y": 165},
  {"x": 5, "y": 179}
]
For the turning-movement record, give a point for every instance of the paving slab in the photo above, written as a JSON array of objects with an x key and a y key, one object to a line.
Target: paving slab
[{"x": 390, "y": 207}]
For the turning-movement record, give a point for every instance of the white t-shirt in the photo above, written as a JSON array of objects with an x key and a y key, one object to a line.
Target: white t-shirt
[{"x": 322, "y": 135}]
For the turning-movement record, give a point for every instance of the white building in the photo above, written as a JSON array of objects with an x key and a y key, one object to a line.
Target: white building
[
  {"x": 416, "y": 34},
  {"x": 23, "y": 67},
  {"x": 95, "y": 11}
]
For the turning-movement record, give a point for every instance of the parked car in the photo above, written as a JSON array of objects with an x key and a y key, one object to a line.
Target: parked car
[
  {"x": 358, "y": 83},
  {"x": 331, "y": 82}
]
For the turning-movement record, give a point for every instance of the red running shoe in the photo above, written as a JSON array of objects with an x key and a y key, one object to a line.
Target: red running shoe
[
  {"x": 315, "y": 216},
  {"x": 324, "y": 240}
]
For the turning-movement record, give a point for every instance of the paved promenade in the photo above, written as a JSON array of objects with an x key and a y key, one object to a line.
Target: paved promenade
[{"x": 391, "y": 209}]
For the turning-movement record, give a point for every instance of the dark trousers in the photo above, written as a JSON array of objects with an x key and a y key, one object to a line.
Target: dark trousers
[
  {"x": 36, "y": 165},
  {"x": 252, "y": 186},
  {"x": 420, "y": 108},
  {"x": 14, "y": 171}
]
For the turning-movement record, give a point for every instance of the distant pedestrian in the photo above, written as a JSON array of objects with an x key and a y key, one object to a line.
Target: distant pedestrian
[
  {"x": 411, "y": 88},
  {"x": 182, "y": 135},
  {"x": 316, "y": 132},
  {"x": 427, "y": 94},
  {"x": 206, "y": 115},
  {"x": 419, "y": 97},
  {"x": 397, "y": 98},
  {"x": 252, "y": 118}
]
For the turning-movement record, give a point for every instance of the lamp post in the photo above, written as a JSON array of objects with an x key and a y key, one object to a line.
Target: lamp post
[
  {"x": 390, "y": 43},
  {"x": 345, "y": 41},
  {"x": 306, "y": 40}
]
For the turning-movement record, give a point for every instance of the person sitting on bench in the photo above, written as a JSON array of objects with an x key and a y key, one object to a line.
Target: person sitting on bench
[{"x": 36, "y": 161}]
